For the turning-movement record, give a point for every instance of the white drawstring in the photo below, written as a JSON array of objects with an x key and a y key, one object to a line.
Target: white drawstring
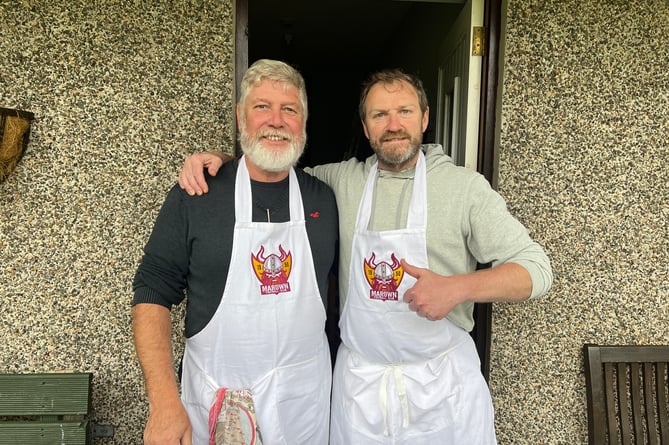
[
  {"x": 402, "y": 394},
  {"x": 400, "y": 390},
  {"x": 383, "y": 399}
]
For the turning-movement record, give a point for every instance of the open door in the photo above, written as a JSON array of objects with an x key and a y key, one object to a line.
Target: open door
[
  {"x": 326, "y": 43},
  {"x": 459, "y": 88}
]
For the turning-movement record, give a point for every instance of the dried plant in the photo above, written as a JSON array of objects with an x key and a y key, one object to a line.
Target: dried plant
[{"x": 13, "y": 132}]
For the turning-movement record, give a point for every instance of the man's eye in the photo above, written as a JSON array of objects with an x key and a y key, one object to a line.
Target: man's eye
[
  {"x": 405, "y": 111},
  {"x": 260, "y": 107},
  {"x": 290, "y": 110},
  {"x": 378, "y": 115}
]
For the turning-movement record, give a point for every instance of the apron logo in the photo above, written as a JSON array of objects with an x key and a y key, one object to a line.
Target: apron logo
[
  {"x": 383, "y": 278},
  {"x": 272, "y": 271}
]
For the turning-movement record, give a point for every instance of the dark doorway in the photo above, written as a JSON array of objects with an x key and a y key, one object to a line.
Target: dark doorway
[{"x": 335, "y": 45}]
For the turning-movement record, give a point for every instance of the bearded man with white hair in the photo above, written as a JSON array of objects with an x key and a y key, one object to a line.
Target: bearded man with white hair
[{"x": 253, "y": 258}]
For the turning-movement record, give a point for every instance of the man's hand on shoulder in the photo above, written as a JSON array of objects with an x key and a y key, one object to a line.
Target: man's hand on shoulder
[{"x": 191, "y": 178}]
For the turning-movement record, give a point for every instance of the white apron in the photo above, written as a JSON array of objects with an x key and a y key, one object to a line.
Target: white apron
[
  {"x": 267, "y": 334},
  {"x": 400, "y": 378}
]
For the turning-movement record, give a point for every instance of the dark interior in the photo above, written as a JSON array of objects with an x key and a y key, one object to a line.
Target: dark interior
[{"x": 335, "y": 45}]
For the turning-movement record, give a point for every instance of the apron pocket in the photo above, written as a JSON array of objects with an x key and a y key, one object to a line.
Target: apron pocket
[
  {"x": 359, "y": 391},
  {"x": 303, "y": 402},
  {"x": 434, "y": 390},
  {"x": 377, "y": 398}
]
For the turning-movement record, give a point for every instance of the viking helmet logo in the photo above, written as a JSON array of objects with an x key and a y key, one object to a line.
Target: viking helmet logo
[
  {"x": 384, "y": 278},
  {"x": 272, "y": 270}
]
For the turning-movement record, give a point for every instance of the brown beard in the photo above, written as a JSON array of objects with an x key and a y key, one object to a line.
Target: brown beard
[{"x": 395, "y": 158}]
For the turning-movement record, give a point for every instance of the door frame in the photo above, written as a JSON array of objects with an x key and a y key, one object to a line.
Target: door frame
[{"x": 487, "y": 153}]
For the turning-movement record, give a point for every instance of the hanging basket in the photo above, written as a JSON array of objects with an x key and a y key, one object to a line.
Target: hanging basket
[{"x": 14, "y": 135}]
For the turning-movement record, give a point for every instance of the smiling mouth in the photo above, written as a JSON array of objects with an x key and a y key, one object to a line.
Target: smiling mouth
[
  {"x": 394, "y": 140},
  {"x": 395, "y": 137},
  {"x": 276, "y": 137}
]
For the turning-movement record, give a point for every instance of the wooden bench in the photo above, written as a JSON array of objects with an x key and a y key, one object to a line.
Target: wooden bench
[
  {"x": 627, "y": 394},
  {"x": 45, "y": 409}
]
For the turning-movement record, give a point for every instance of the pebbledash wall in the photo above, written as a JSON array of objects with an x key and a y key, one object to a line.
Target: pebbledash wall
[
  {"x": 584, "y": 162},
  {"x": 123, "y": 90}
]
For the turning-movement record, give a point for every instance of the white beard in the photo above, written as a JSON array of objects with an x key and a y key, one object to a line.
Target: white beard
[{"x": 268, "y": 159}]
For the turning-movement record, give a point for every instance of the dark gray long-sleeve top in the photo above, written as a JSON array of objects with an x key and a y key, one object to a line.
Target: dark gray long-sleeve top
[{"x": 191, "y": 243}]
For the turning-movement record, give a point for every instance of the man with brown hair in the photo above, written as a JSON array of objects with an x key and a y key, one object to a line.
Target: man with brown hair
[{"x": 413, "y": 227}]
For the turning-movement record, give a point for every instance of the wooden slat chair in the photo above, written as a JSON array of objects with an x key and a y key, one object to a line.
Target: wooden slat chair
[
  {"x": 627, "y": 394},
  {"x": 45, "y": 409}
]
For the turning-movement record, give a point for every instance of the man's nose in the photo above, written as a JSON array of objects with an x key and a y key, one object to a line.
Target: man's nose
[
  {"x": 276, "y": 118},
  {"x": 394, "y": 123}
]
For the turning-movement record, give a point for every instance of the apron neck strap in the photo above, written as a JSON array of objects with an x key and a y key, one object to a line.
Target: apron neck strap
[
  {"x": 417, "y": 214},
  {"x": 244, "y": 201}
]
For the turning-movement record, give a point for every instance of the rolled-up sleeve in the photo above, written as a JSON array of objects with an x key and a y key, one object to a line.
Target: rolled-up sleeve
[{"x": 497, "y": 237}]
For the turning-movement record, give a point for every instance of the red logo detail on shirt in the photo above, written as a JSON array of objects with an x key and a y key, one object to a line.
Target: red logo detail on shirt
[
  {"x": 383, "y": 278},
  {"x": 315, "y": 214},
  {"x": 272, "y": 270}
]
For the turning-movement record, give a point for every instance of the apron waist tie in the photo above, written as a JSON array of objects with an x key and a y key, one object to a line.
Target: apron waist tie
[{"x": 400, "y": 390}]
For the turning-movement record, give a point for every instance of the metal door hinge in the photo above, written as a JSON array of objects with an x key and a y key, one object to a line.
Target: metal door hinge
[{"x": 478, "y": 41}]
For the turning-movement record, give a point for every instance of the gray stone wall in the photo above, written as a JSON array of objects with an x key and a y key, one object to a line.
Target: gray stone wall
[
  {"x": 584, "y": 164},
  {"x": 121, "y": 90}
]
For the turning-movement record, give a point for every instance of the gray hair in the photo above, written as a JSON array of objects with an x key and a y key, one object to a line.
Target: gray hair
[{"x": 266, "y": 69}]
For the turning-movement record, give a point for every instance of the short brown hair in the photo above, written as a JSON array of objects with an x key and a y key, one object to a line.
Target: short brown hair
[{"x": 390, "y": 76}]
